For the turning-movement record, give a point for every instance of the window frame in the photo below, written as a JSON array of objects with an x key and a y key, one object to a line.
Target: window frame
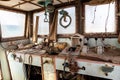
[
  {"x": 38, "y": 35},
  {"x": 101, "y": 35},
  {"x": 14, "y": 38},
  {"x": 68, "y": 35}
]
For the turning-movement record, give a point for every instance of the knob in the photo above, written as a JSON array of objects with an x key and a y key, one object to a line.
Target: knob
[{"x": 13, "y": 56}]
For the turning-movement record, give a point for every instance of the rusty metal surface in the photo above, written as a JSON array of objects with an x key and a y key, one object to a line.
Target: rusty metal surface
[{"x": 92, "y": 65}]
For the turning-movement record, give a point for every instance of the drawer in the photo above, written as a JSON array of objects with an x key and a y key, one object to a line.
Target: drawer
[{"x": 33, "y": 60}]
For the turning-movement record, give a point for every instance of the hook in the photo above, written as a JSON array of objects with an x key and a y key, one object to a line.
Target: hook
[{"x": 45, "y": 20}]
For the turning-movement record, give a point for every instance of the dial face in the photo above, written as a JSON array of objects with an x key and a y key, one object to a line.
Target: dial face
[{"x": 65, "y": 21}]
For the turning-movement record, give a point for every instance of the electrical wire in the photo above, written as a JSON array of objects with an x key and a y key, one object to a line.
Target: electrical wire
[
  {"x": 94, "y": 15},
  {"x": 106, "y": 22}
]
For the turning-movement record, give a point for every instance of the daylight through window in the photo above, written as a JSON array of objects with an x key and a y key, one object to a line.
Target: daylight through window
[
  {"x": 43, "y": 27},
  {"x": 12, "y": 24},
  {"x": 71, "y": 28},
  {"x": 100, "y": 18}
]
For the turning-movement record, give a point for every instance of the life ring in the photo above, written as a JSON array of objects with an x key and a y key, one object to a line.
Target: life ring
[{"x": 62, "y": 19}]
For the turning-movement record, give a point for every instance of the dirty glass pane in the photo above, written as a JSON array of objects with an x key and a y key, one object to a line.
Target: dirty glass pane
[
  {"x": 71, "y": 28},
  {"x": 12, "y": 24},
  {"x": 43, "y": 27},
  {"x": 96, "y": 18}
]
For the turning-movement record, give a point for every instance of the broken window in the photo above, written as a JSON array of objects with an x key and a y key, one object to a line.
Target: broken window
[{"x": 100, "y": 18}]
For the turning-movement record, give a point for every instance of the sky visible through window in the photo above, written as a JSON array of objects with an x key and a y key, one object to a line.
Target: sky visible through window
[
  {"x": 43, "y": 27},
  {"x": 12, "y": 24},
  {"x": 95, "y": 18},
  {"x": 71, "y": 28}
]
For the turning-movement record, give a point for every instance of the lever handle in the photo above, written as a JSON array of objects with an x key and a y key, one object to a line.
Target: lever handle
[{"x": 82, "y": 68}]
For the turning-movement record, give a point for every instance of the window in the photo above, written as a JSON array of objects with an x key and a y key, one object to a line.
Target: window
[
  {"x": 71, "y": 28},
  {"x": 100, "y": 18},
  {"x": 43, "y": 27},
  {"x": 12, "y": 24}
]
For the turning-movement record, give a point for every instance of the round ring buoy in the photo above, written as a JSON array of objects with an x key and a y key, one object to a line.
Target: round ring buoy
[{"x": 62, "y": 19}]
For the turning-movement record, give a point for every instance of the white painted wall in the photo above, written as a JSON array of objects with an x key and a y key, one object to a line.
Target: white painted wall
[
  {"x": 3, "y": 59},
  {"x": 4, "y": 65}
]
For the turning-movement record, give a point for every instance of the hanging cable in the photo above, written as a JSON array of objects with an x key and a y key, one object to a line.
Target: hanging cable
[
  {"x": 106, "y": 22},
  {"x": 94, "y": 15}
]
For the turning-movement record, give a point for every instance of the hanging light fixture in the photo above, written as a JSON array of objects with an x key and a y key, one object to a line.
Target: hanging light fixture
[{"x": 49, "y": 8}]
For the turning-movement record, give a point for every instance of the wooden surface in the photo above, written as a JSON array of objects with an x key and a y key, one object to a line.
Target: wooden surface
[
  {"x": 48, "y": 68},
  {"x": 91, "y": 61},
  {"x": 0, "y": 72},
  {"x": 109, "y": 55}
]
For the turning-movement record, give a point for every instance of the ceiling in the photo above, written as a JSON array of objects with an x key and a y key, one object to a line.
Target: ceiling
[{"x": 27, "y": 5}]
